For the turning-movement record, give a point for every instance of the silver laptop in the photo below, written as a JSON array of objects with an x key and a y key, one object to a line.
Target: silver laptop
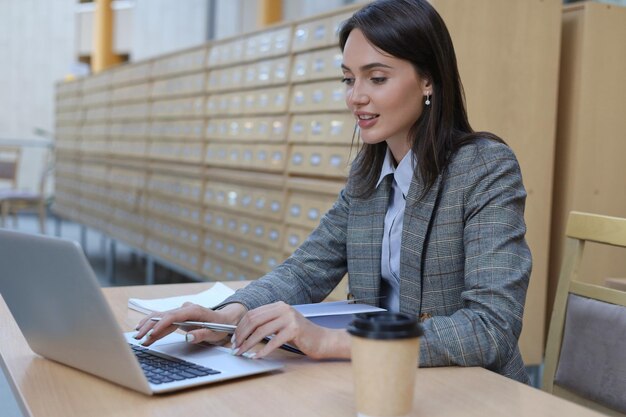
[{"x": 56, "y": 301}]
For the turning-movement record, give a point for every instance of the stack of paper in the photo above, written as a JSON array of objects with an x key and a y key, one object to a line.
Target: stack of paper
[
  {"x": 335, "y": 315},
  {"x": 209, "y": 298}
]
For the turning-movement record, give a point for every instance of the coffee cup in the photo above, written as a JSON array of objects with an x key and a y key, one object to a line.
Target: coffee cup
[{"x": 385, "y": 354}]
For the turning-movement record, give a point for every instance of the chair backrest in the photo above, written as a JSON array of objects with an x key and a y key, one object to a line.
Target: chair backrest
[
  {"x": 585, "y": 358},
  {"x": 9, "y": 165},
  {"x": 48, "y": 170}
]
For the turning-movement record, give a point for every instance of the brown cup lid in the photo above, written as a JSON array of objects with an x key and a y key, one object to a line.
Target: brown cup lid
[{"x": 385, "y": 325}]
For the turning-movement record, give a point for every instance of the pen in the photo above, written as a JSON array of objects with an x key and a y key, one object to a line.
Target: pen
[
  {"x": 226, "y": 328},
  {"x": 217, "y": 327}
]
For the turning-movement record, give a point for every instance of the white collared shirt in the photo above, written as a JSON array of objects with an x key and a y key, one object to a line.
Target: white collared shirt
[{"x": 392, "y": 235}]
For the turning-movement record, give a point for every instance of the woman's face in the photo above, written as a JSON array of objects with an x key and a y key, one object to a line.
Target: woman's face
[{"x": 385, "y": 94}]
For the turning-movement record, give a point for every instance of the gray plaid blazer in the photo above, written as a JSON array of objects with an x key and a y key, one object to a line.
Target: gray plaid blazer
[{"x": 464, "y": 261}]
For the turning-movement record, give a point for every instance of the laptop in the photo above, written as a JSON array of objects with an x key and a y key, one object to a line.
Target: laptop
[{"x": 56, "y": 300}]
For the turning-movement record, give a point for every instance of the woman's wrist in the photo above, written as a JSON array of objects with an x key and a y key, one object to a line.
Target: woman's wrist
[
  {"x": 338, "y": 344},
  {"x": 233, "y": 312}
]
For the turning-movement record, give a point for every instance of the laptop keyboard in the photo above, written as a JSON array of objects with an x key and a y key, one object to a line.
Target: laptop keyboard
[{"x": 160, "y": 370}]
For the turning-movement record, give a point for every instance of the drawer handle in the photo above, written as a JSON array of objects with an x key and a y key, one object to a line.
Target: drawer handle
[
  {"x": 318, "y": 65},
  {"x": 320, "y": 32},
  {"x": 295, "y": 210},
  {"x": 335, "y": 161},
  {"x": 293, "y": 240},
  {"x": 317, "y": 96},
  {"x": 297, "y": 158},
  {"x": 298, "y": 128},
  {"x": 316, "y": 127},
  {"x": 316, "y": 159}
]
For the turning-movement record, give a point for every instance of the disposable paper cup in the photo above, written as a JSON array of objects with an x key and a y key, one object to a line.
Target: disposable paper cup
[{"x": 385, "y": 352}]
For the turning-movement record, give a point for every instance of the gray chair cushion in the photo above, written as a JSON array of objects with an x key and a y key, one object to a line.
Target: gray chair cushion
[
  {"x": 21, "y": 195},
  {"x": 593, "y": 353}
]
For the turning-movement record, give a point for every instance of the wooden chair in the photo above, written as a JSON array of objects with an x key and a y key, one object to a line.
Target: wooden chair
[
  {"x": 585, "y": 358},
  {"x": 12, "y": 199},
  {"x": 9, "y": 165}
]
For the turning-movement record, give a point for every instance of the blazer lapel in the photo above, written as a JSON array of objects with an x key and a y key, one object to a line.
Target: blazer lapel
[
  {"x": 367, "y": 219},
  {"x": 417, "y": 219}
]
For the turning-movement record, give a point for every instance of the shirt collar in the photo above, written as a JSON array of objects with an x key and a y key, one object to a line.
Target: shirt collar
[
  {"x": 387, "y": 168},
  {"x": 403, "y": 173}
]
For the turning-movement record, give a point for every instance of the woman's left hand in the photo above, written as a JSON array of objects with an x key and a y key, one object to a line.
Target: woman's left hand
[{"x": 288, "y": 326}]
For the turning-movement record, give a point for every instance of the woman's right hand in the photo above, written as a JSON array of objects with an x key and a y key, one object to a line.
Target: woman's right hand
[{"x": 155, "y": 330}]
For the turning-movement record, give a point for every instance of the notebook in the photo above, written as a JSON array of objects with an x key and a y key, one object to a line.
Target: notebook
[{"x": 57, "y": 303}]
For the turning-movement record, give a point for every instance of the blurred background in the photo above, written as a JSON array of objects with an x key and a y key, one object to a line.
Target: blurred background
[{"x": 203, "y": 139}]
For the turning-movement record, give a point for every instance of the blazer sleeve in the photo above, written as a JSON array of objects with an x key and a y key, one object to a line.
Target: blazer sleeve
[
  {"x": 311, "y": 272},
  {"x": 485, "y": 331}
]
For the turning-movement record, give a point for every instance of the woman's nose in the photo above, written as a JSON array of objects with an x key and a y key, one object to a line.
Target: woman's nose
[{"x": 357, "y": 96}]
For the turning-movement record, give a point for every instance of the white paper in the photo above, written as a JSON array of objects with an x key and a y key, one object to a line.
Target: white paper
[
  {"x": 209, "y": 298},
  {"x": 334, "y": 308},
  {"x": 334, "y": 315}
]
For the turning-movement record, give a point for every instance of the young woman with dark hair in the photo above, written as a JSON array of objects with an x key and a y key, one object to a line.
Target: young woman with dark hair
[{"x": 430, "y": 223}]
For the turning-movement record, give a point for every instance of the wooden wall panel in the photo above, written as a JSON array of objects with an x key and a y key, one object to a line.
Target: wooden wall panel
[
  {"x": 508, "y": 56},
  {"x": 590, "y": 173}
]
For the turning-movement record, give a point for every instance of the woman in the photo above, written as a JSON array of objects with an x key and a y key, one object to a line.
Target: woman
[{"x": 430, "y": 222}]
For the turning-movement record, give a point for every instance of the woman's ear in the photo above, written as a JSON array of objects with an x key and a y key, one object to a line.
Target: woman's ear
[{"x": 427, "y": 87}]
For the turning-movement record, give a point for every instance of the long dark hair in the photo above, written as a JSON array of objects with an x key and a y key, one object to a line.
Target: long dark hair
[{"x": 412, "y": 30}]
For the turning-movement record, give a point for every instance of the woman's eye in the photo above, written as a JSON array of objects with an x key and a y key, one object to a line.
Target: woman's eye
[
  {"x": 347, "y": 81},
  {"x": 378, "y": 80}
]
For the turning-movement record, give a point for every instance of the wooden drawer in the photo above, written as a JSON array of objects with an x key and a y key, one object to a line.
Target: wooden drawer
[
  {"x": 261, "y": 202},
  {"x": 223, "y": 270},
  {"x": 129, "y": 130},
  {"x": 306, "y": 209},
  {"x": 183, "y": 256},
  {"x": 294, "y": 237},
  {"x": 265, "y": 157},
  {"x": 268, "y": 43},
  {"x": 126, "y": 148},
  {"x": 318, "y": 97},
  {"x": 187, "y": 61},
  {"x": 312, "y": 34},
  {"x": 331, "y": 129},
  {"x": 134, "y": 92},
  {"x": 269, "y": 100},
  {"x": 178, "y": 108},
  {"x": 174, "y": 186},
  {"x": 127, "y": 178},
  {"x": 189, "y": 214},
  {"x": 226, "y": 53},
  {"x": 272, "y": 129},
  {"x": 241, "y": 252},
  {"x": 130, "y": 111},
  {"x": 263, "y": 232},
  {"x": 170, "y": 150},
  {"x": 317, "y": 65},
  {"x": 177, "y": 129},
  {"x": 328, "y": 161},
  {"x": 224, "y": 79},
  {"x": 187, "y": 84},
  {"x": 174, "y": 231}
]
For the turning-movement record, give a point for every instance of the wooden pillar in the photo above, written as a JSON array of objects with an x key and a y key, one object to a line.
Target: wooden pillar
[
  {"x": 102, "y": 56},
  {"x": 270, "y": 11}
]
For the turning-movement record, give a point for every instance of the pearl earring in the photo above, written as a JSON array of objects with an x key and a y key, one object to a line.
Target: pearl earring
[{"x": 427, "y": 102}]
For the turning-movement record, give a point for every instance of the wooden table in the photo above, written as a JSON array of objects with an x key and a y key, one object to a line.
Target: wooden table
[{"x": 304, "y": 388}]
